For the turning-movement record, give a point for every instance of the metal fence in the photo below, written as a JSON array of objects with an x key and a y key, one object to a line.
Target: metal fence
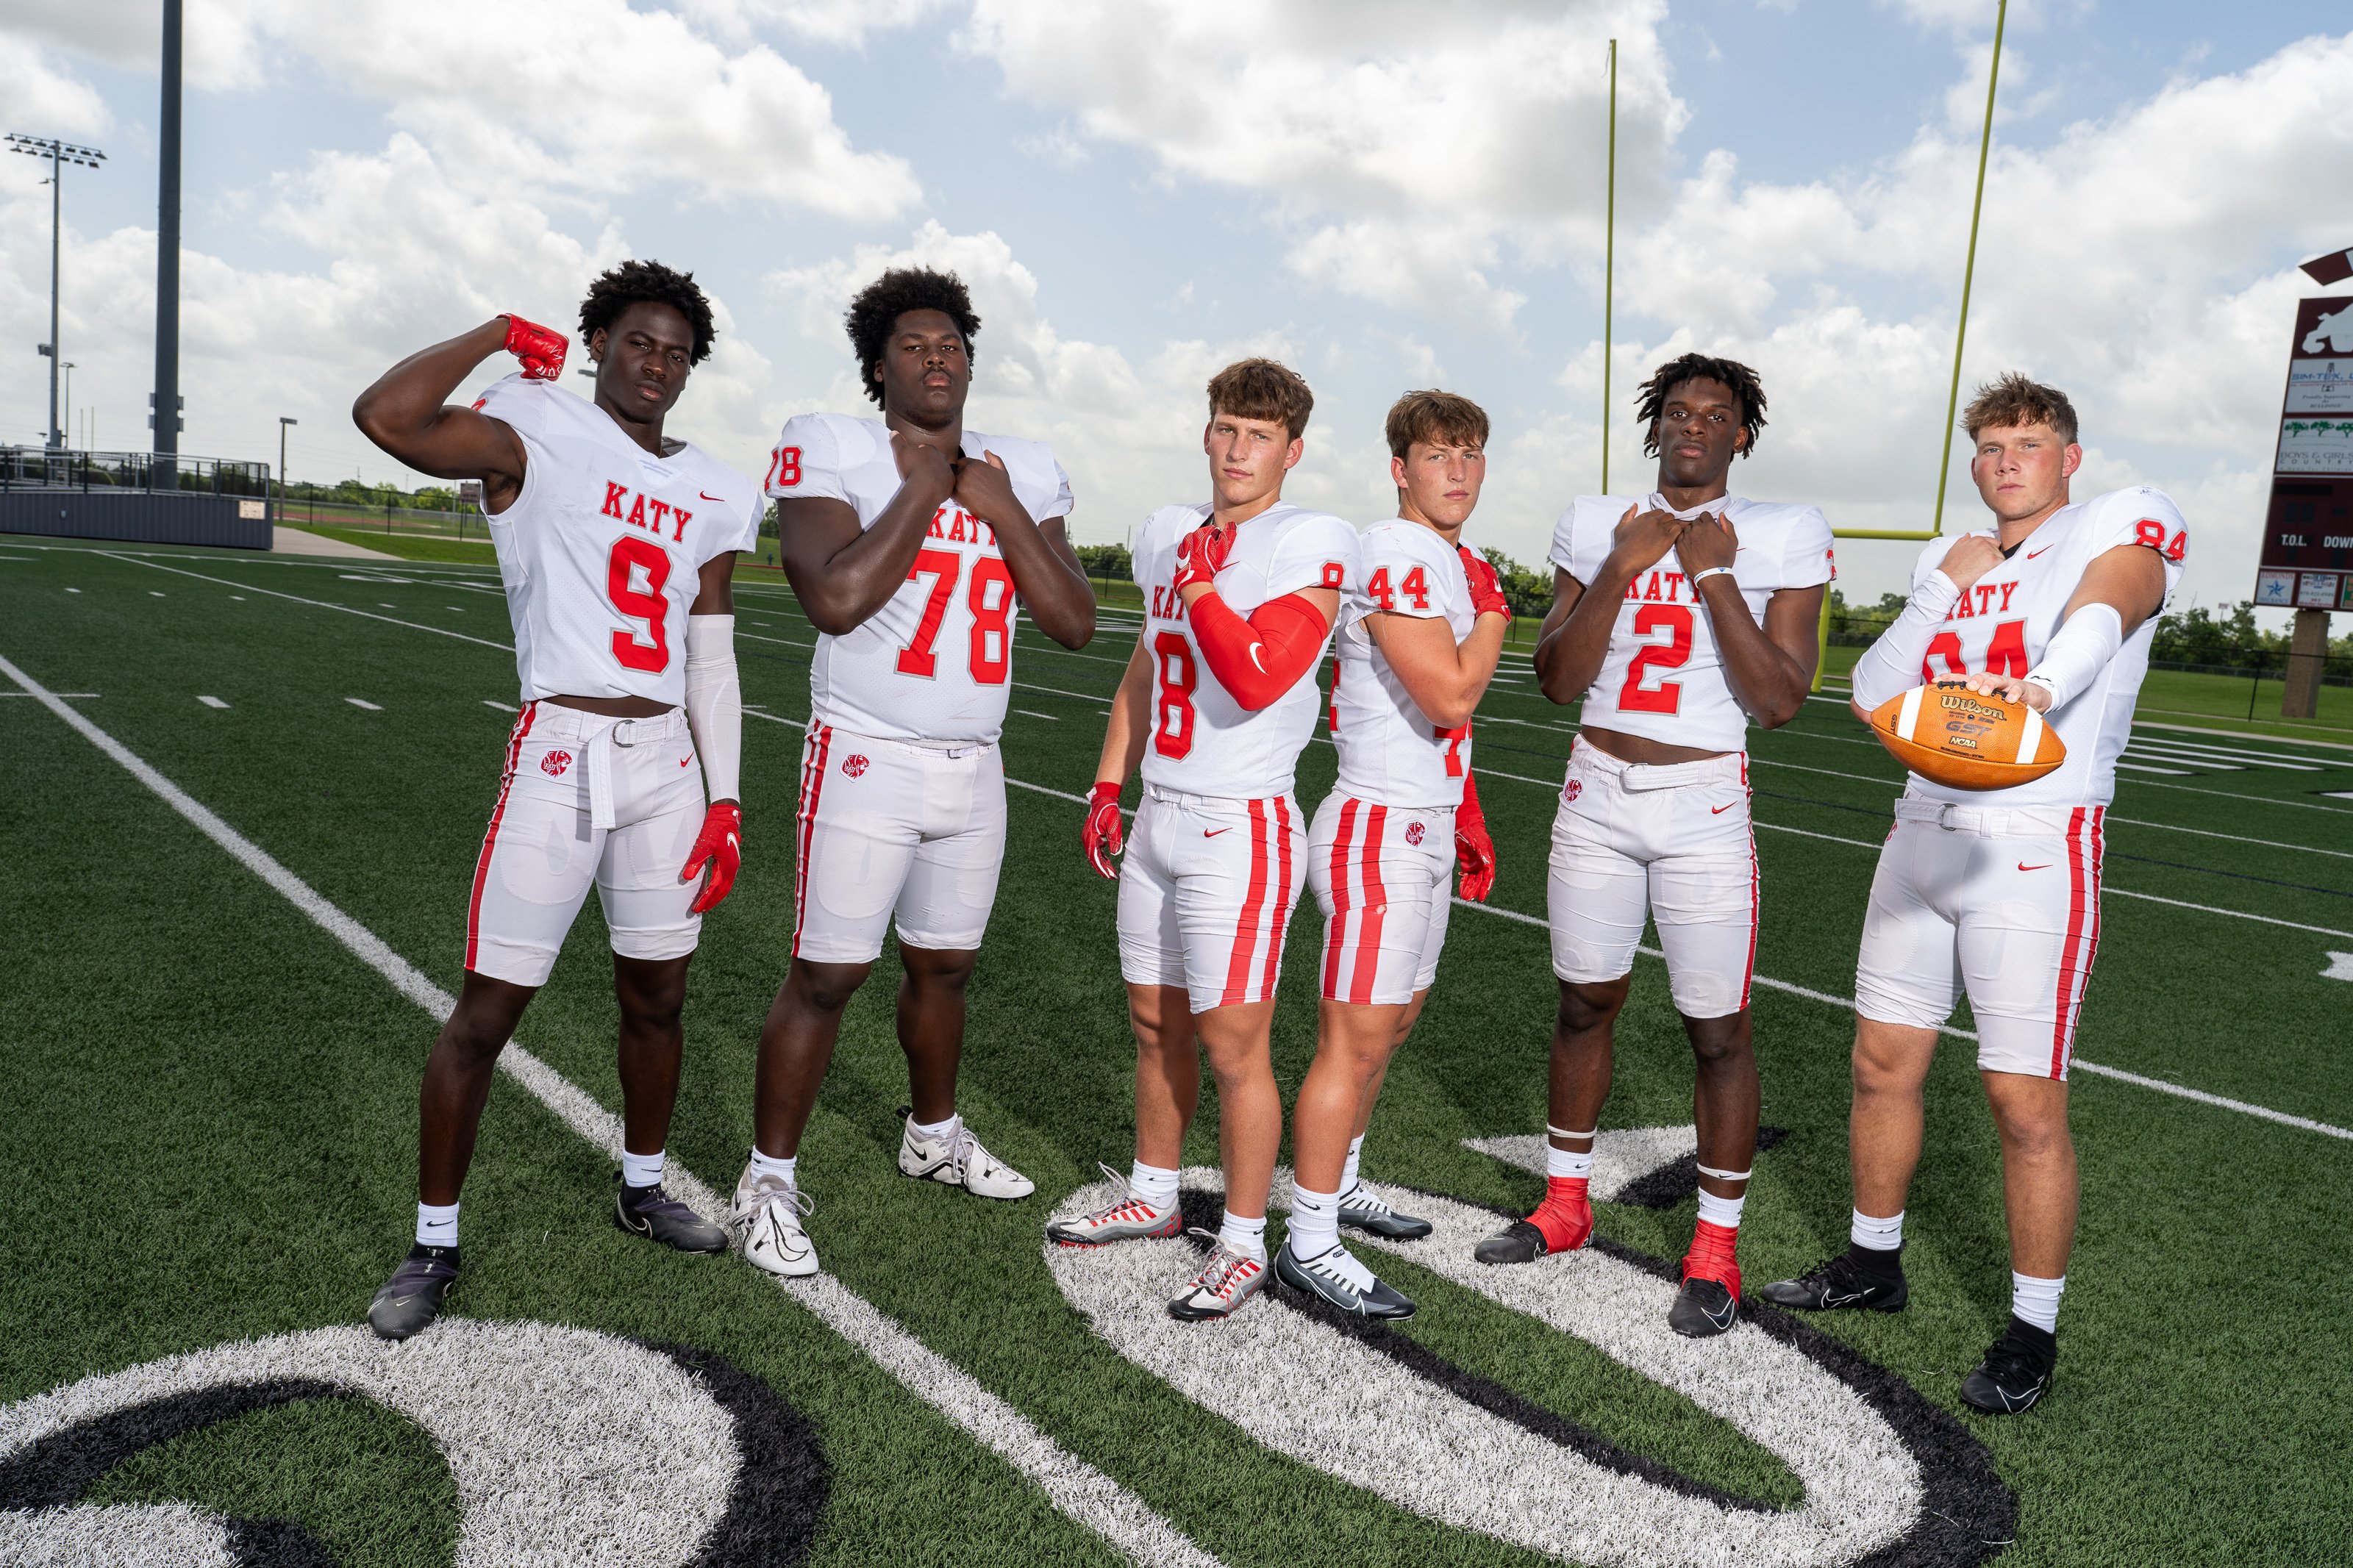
[{"x": 52, "y": 468}]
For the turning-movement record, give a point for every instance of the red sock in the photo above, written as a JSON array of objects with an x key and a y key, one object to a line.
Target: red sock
[
  {"x": 1565, "y": 1216},
  {"x": 1713, "y": 1256}
]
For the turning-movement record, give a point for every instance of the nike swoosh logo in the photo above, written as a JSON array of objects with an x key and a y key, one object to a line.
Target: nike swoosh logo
[
  {"x": 1720, "y": 810},
  {"x": 1213, "y": 832},
  {"x": 2032, "y": 553},
  {"x": 706, "y": 495},
  {"x": 684, "y": 760},
  {"x": 2044, "y": 867},
  {"x": 1256, "y": 650}
]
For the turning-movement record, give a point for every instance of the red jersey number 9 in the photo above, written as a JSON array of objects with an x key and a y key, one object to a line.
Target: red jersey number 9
[
  {"x": 2151, "y": 532},
  {"x": 645, "y": 603}
]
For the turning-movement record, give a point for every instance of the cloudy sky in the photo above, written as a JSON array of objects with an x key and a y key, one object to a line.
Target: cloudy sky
[{"x": 1385, "y": 194}]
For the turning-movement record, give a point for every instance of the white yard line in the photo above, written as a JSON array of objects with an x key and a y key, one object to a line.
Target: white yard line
[
  {"x": 316, "y": 604},
  {"x": 1085, "y": 1494}
]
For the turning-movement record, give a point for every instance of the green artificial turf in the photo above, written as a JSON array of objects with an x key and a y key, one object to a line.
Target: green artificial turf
[{"x": 213, "y": 1103}]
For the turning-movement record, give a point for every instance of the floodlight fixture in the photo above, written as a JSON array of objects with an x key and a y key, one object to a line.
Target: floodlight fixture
[{"x": 58, "y": 153}]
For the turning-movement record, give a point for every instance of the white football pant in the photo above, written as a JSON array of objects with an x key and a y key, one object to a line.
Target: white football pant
[
  {"x": 1384, "y": 876},
  {"x": 2003, "y": 903},
  {"x": 1669, "y": 843},
  {"x": 1206, "y": 892},
  {"x": 892, "y": 832},
  {"x": 587, "y": 799}
]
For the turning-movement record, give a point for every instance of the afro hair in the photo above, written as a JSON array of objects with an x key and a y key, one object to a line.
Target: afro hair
[
  {"x": 648, "y": 283},
  {"x": 1738, "y": 377},
  {"x": 874, "y": 315}
]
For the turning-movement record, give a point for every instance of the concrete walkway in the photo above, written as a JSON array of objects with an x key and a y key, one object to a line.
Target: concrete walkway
[{"x": 295, "y": 541}]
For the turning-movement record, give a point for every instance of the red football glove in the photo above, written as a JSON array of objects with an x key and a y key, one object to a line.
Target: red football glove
[
  {"x": 1201, "y": 554},
  {"x": 541, "y": 350},
  {"x": 719, "y": 845},
  {"x": 1473, "y": 850},
  {"x": 1487, "y": 588},
  {"x": 1102, "y": 833}
]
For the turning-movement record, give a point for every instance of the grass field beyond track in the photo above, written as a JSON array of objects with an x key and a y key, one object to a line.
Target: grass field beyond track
[{"x": 213, "y": 1113}]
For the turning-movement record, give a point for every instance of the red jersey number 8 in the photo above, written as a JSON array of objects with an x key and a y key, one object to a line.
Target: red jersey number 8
[
  {"x": 785, "y": 468},
  {"x": 1172, "y": 711}
]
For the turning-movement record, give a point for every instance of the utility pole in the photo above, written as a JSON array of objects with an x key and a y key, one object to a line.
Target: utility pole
[
  {"x": 1609, "y": 263},
  {"x": 282, "y": 423},
  {"x": 58, "y": 153},
  {"x": 166, "y": 417}
]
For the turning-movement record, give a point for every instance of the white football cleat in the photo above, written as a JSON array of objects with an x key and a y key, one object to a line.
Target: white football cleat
[
  {"x": 766, "y": 1222},
  {"x": 958, "y": 1160}
]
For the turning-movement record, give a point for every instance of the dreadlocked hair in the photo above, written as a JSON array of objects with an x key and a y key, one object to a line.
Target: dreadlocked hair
[
  {"x": 874, "y": 315},
  {"x": 1739, "y": 377},
  {"x": 648, "y": 283}
]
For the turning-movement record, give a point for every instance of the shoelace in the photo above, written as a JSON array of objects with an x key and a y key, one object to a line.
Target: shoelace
[
  {"x": 2011, "y": 1364},
  {"x": 1225, "y": 1268},
  {"x": 767, "y": 1190},
  {"x": 1127, "y": 1207}
]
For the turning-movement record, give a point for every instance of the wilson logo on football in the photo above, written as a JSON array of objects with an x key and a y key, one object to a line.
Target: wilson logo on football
[
  {"x": 853, "y": 765},
  {"x": 1572, "y": 789},
  {"x": 1413, "y": 833},
  {"x": 555, "y": 763}
]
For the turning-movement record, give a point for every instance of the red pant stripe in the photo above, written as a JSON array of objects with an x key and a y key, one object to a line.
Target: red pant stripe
[
  {"x": 490, "y": 839},
  {"x": 1335, "y": 940},
  {"x": 813, "y": 755},
  {"x": 1238, "y": 967},
  {"x": 1279, "y": 897},
  {"x": 2063, "y": 1009},
  {"x": 1377, "y": 898}
]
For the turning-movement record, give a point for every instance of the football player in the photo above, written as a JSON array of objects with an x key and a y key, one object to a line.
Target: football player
[
  {"x": 907, "y": 540},
  {"x": 1679, "y": 619},
  {"x": 1218, "y": 700},
  {"x": 1997, "y": 893},
  {"x": 616, "y": 542},
  {"x": 1421, "y": 631}
]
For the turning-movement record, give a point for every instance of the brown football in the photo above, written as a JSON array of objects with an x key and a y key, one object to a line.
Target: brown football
[{"x": 1952, "y": 736}]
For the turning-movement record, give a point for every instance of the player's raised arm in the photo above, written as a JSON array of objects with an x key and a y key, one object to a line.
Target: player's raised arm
[
  {"x": 2122, "y": 588},
  {"x": 1576, "y": 642},
  {"x": 842, "y": 576},
  {"x": 407, "y": 411},
  {"x": 1046, "y": 571},
  {"x": 1770, "y": 667}
]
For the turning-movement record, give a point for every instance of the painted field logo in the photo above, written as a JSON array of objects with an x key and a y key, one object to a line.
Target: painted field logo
[
  {"x": 1887, "y": 1477},
  {"x": 1572, "y": 789},
  {"x": 854, "y": 765},
  {"x": 1413, "y": 832},
  {"x": 555, "y": 763},
  {"x": 565, "y": 1446}
]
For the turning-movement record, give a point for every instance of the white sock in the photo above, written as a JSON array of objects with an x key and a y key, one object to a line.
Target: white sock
[
  {"x": 935, "y": 1130},
  {"x": 1314, "y": 1221},
  {"x": 1153, "y": 1186},
  {"x": 641, "y": 1170},
  {"x": 2036, "y": 1301},
  {"x": 1247, "y": 1236},
  {"x": 1725, "y": 1212},
  {"x": 762, "y": 1165},
  {"x": 437, "y": 1224},
  {"x": 1348, "y": 1170},
  {"x": 1877, "y": 1235},
  {"x": 1566, "y": 1163}
]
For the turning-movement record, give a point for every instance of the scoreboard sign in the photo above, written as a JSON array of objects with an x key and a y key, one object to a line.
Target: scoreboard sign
[{"x": 2307, "y": 553}]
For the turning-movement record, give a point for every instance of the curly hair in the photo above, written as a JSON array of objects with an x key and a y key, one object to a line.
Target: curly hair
[
  {"x": 1683, "y": 368},
  {"x": 2012, "y": 401},
  {"x": 874, "y": 315},
  {"x": 648, "y": 283},
  {"x": 1262, "y": 389},
  {"x": 1431, "y": 418}
]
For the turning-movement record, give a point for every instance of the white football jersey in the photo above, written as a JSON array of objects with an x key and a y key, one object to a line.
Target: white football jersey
[
  {"x": 935, "y": 662},
  {"x": 1203, "y": 741},
  {"x": 1663, "y": 678},
  {"x": 601, "y": 552},
  {"x": 2008, "y": 618},
  {"x": 1390, "y": 753}
]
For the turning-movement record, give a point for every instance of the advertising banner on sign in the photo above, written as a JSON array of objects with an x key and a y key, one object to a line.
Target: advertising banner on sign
[
  {"x": 2274, "y": 587},
  {"x": 2307, "y": 559},
  {"x": 2317, "y": 590},
  {"x": 2320, "y": 386}
]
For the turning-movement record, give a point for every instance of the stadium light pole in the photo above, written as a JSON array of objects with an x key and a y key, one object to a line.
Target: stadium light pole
[
  {"x": 1609, "y": 263},
  {"x": 58, "y": 153},
  {"x": 163, "y": 472},
  {"x": 1960, "y": 338},
  {"x": 69, "y": 368},
  {"x": 282, "y": 423}
]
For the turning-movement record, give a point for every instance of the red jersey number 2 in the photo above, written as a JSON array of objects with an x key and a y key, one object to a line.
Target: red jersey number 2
[
  {"x": 1667, "y": 696},
  {"x": 645, "y": 603}
]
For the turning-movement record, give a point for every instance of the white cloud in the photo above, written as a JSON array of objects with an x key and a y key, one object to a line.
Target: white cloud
[
  {"x": 1400, "y": 152},
  {"x": 845, "y": 23},
  {"x": 41, "y": 96}
]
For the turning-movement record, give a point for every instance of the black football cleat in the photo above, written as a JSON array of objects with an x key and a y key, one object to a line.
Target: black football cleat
[
  {"x": 1518, "y": 1242},
  {"x": 1361, "y": 1209},
  {"x": 412, "y": 1298},
  {"x": 655, "y": 1215},
  {"x": 1322, "y": 1278},
  {"x": 1872, "y": 1281},
  {"x": 1703, "y": 1309},
  {"x": 2016, "y": 1372}
]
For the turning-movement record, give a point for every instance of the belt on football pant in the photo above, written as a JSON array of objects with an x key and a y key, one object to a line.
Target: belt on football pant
[
  {"x": 1987, "y": 821},
  {"x": 602, "y": 747}
]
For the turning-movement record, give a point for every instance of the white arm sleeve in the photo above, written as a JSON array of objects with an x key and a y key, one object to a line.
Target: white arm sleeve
[
  {"x": 1891, "y": 665},
  {"x": 2075, "y": 656},
  {"x": 714, "y": 703}
]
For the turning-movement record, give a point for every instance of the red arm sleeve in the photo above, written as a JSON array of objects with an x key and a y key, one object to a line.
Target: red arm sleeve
[{"x": 1258, "y": 659}]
